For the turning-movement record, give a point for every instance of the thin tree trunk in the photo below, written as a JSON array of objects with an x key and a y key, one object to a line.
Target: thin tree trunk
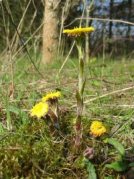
[
  {"x": 110, "y": 23},
  {"x": 50, "y": 30},
  {"x": 87, "y": 36},
  {"x": 129, "y": 17}
]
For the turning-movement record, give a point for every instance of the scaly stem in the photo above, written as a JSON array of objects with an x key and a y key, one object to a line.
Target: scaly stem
[
  {"x": 79, "y": 95},
  {"x": 81, "y": 70}
]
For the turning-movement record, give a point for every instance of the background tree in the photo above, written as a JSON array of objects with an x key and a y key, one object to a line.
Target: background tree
[
  {"x": 27, "y": 16},
  {"x": 53, "y": 12},
  {"x": 50, "y": 29}
]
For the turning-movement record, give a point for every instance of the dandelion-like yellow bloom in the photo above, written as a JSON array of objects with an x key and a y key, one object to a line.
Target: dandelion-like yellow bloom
[
  {"x": 39, "y": 110},
  {"x": 78, "y": 31},
  {"x": 97, "y": 128},
  {"x": 51, "y": 96}
]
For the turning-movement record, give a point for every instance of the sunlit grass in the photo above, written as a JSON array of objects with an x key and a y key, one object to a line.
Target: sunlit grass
[{"x": 28, "y": 149}]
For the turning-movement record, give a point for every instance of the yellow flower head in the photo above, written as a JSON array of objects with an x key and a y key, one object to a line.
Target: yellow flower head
[
  {"x": 97, "y": 128},
  {"x": 51, "y": 96},
  {"x": 78, "y": 31},
  {"x": 39, "y": 110}
]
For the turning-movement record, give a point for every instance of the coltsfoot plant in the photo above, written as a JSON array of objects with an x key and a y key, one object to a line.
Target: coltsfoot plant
[{"x": 77, "y": 33}]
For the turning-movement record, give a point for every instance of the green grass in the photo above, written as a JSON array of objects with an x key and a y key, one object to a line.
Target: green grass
[{"x": 27, "y": 147}]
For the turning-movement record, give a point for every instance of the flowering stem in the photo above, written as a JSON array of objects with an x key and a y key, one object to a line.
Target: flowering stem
[
  {"x": 79, "y": 95},
  {"x": 54, "y": 113},
  {"x": 81, "y": 69}
]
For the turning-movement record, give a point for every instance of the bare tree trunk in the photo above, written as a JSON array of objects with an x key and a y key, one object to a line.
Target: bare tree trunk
[
  {"x": 129, "y": 17},
  {"x": 111, "y": 23},
  {"x": 50, "y": 30},
  {"x": 52, "y": 13},
  {"x": 87, "y": 36}
]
